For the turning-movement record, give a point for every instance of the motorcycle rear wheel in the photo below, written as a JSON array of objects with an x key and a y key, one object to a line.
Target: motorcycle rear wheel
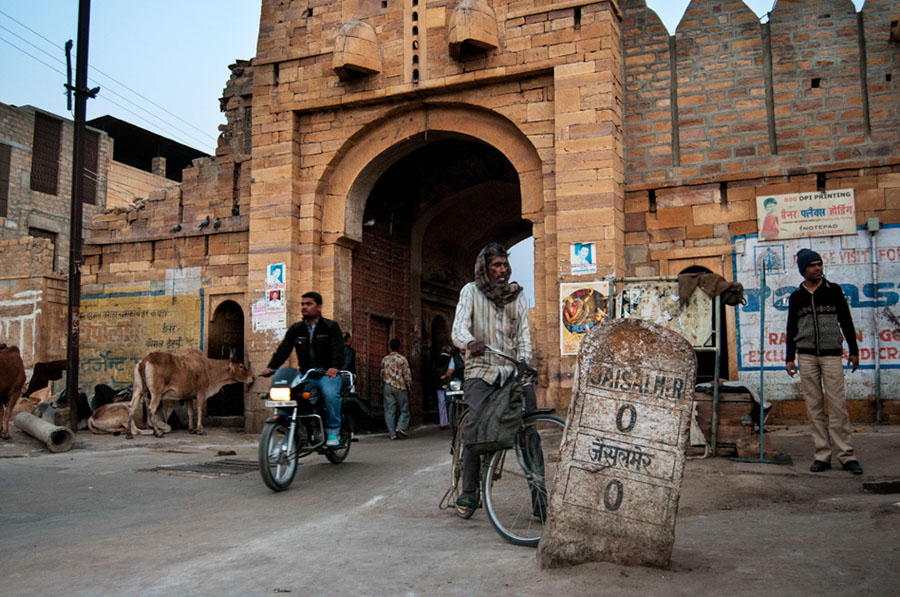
[
  {"x": 277, "y": 456},
  {"x": 339, "y": 454}
]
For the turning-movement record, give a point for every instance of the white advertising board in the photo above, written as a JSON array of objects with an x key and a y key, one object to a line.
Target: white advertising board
[{"x": 848, "y": 262}]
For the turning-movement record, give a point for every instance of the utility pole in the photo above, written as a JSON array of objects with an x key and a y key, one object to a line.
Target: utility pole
[{"x": 82, "y": 93}]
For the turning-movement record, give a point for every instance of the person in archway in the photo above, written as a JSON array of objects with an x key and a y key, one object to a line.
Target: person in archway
[
  {"x": 319, "y": 344},
  {"x": 349, "y": 355},
  {"x": 397, "y": 384},
  {"x": 491, "y": 310}
]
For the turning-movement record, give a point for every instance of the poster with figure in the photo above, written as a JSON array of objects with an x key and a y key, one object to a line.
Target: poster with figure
[
  {"x": 583, "y": 258},
  {"x": 274, "y": 300},
  {"x": 275, "y": 274},
  {"x": 583, "y": 305},
  {"x": 804, "y": 215},
  {"x": 848, "y": 262}
]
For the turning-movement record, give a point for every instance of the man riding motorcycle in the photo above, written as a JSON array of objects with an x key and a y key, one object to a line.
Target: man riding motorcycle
[{"x": 319, "y": 344}]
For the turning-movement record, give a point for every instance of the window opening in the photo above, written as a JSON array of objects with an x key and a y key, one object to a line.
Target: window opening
[{"x": 45, "y": 154}]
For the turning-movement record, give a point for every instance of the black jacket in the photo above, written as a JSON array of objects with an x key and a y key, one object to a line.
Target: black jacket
[
  {"x": 816, "y": 320},
  {"x": 325, "y": 351}
]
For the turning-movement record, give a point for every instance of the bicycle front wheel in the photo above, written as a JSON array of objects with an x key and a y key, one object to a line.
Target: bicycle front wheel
[{"x": 517, "y": 480}]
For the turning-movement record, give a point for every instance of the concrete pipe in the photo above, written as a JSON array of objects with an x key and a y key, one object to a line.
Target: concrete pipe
[{"x": 58, "y": 439}]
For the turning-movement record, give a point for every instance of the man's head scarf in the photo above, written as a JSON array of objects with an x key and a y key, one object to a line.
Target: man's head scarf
[{"x": 499, "y": 294}]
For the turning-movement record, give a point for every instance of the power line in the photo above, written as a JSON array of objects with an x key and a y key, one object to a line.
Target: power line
[
  {"x": 185, "y": 133},
  {"x": 110, "y": 77},
  {"x": 104, "y": 97}
]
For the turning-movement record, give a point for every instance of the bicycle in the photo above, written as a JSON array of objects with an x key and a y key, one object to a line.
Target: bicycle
[{"x": 515, "y": 482}]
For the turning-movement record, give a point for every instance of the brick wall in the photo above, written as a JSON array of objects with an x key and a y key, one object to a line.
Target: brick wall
[
  {"x": 126, "y": 183},
  {"x": 51, "y": 211},
  {"x": 723, "y": 128}
]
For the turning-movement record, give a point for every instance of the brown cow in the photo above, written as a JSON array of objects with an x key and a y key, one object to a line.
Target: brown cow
[
  {"x": 115, "y": 417},
  {"x": 12, "y": 381},
  {"x": 191, "y": 378}
]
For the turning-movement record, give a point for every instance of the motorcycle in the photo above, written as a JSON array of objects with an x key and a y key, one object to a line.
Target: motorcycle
[{"x": 297, "y": 427}]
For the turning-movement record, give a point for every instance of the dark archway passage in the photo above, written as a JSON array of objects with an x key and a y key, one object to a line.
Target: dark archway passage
[
  {"x": 426, "y": 219},
  {"x": 226, "y": 335}
]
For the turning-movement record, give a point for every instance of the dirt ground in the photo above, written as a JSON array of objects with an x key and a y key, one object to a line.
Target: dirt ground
[{"x": 104, "y": 519}]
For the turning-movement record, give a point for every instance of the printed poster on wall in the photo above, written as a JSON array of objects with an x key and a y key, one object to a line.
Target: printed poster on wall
[
  {"x": 583, "y": 258},
  {"x": 804, "y": 215},
  {"x": 848, "y": 262},
  {"x": 583, "y": 305}
]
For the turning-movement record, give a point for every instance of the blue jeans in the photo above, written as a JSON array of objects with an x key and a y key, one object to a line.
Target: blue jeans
[
  {"x": 394, "y": 397},
  {"x": 331, "y": 392}
]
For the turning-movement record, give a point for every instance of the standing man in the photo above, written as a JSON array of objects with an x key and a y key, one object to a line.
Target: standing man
[
  {"x": 817, "y": 314},
  {"x": 397, "y": 385},
  {"x": 319, "y": 344},
  {"x": 349, "y": 355},
  {"x": 492, "y": 311}
]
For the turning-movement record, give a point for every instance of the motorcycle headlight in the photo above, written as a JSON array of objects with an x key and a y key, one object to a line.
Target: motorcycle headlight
[
  {"x": 455, "y": 385},
  {"x": 280, "y": 394}
]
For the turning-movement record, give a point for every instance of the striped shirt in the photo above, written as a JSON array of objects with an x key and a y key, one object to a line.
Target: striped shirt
[
  {"x": 395, "y": 371},
  {"x": 504, "y": 328}
]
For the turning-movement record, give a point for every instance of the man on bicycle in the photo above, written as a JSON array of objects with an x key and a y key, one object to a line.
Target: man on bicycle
[
  {"x": 491, "y": 311},
  {"x": 319, "y": 344}
]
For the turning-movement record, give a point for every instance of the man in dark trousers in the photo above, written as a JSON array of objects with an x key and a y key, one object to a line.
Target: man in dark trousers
[
  {"x": 491, "y": 310},
  {"x": 319, "y": 344},
  {"x": 817, "y": 315}
]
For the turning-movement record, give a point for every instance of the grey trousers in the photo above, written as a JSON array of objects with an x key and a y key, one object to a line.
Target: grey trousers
[
  {"x": 394, "y": 398},
  {"x": 476, "y": 394}
]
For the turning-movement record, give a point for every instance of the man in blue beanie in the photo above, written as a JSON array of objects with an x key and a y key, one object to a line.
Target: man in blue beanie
[{"x": 817, "y": 316}]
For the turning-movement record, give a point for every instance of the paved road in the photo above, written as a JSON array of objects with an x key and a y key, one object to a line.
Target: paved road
[{"x": 96, "y": 521}]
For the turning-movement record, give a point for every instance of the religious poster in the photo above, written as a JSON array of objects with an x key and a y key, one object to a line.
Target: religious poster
[
  {"x": 583, "y": 258},
  {"x": 583, "y": 305},
  {"x": 802, "y": 215}
]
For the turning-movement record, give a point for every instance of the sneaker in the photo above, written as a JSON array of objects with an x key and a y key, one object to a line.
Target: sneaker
[
  {"x": 332, "y": 441},
  {"x": 400, "y": 433},
  {"x": 852, "y": 466}
]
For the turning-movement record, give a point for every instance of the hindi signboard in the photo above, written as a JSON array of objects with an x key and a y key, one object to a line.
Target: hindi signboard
[{"x": 801, "y": 215}]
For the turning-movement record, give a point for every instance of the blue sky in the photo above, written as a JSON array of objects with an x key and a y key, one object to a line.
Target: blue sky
[{"x": 161, "y": 65}]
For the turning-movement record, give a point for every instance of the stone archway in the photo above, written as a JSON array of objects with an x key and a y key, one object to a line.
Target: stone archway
[
  {"x": 226, "y": 335},
  {"x": 352, "y": 179}
]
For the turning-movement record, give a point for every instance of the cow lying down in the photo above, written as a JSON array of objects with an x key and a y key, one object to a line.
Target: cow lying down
[
  {"x": 191, "y": 378},
  {"x": 114, "y": 418}
]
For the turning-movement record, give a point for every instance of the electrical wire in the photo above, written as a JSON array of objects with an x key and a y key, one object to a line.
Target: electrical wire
[
  {"x": 107, "y": 89},
  {"x": 111, "y": 78}
]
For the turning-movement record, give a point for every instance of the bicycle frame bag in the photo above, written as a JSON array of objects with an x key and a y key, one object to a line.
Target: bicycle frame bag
[{"x": 500, "y": 420}]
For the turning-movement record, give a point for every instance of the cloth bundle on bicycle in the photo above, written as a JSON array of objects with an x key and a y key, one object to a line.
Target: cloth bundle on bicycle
[{"x": 500, "y": 420}]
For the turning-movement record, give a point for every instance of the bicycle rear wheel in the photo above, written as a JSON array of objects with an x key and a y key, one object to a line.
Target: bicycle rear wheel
[{"x": 517, "y": 480}]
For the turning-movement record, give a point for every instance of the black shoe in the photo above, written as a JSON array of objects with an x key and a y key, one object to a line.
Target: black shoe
[
  {"x": 852, "y": 466},
  {"x": 819, "y": 465}
]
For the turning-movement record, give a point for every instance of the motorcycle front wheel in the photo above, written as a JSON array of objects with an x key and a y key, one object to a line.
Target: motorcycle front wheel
[{"x": 277, "y": 456}]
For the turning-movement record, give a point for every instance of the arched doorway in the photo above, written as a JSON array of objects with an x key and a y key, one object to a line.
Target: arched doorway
[
  {"x": 226, "y": 337},
  {"x": 426, "y": 218}
]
